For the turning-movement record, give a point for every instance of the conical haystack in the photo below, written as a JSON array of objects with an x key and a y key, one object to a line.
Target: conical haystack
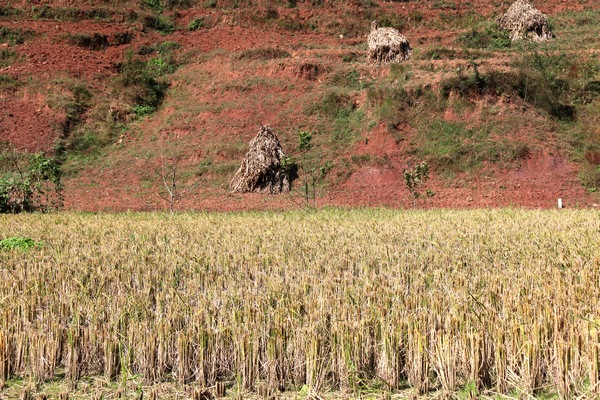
[
  {"x": 262, "y": 170},
  {"x": 525, "y": 22},
  {"x": 387, "y": 45}
]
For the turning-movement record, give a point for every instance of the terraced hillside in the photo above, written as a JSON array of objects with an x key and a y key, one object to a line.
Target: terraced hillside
[{"x": 117, "y": 87}]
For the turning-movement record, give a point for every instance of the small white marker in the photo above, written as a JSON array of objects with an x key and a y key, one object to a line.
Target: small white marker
[{"x": 560, "y": 203}]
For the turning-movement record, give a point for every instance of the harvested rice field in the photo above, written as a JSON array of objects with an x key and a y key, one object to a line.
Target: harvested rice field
[{"x": 372, "y": 304}]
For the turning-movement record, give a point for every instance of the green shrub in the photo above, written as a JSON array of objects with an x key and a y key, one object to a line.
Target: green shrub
[
  {"x": 488, "y": 38},
  {"x": 155, "y": 5},
  {"x": 475, "y": 84},
  {"x": 197, "y": 23},
  {"x": 14, "y": 36},
  {"x": 167, "y": 47},
  {"x": 161, "y": 23},
  {"x": 590, "y": 177},
  {"x": 141, "y": 111},
  {"x": 536, "y": 79},
  {"x": 142, "y": 80},
  {"x": 94, "y": 41},
  {"x": 76, "y": 107},
  {"x": 8, "y": 11},
  {"x": 392, "y": 21},
  {"x": 122, "y": 38},
  {"x": 143, "y": 86},
  {"x": 21, "y": 243},
  {"x": 29, "y": 182}
]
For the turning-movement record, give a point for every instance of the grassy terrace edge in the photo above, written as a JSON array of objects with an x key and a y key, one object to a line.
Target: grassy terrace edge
[{"x": 337, "y": 303}]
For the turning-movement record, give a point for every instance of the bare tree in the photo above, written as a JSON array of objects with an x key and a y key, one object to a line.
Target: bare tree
[{"x": 171, "y": 189}]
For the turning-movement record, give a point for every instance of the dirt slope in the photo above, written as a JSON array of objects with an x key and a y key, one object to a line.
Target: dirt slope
[{"x": 222, "y": 91}]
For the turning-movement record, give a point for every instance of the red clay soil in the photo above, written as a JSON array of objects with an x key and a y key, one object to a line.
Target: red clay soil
[{"x": 28, "y": 123}]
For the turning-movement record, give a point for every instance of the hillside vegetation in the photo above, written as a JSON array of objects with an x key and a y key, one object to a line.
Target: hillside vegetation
[{"x": 113, "y": 87}]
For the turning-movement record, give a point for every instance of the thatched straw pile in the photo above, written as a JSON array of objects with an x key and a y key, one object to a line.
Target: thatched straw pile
[
  {"x": 262, "y": 171},
  {"x": 387, "y": 45},
  {"x": 523, "y": 21}
]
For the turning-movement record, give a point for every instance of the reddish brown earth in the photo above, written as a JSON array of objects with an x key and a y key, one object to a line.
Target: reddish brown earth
[{"x": 29, "y": 123}]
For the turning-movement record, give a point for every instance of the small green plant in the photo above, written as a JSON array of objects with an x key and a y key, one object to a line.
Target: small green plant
[
  {"x": 141, "y": 111},
  {"x": 415, "y": 179},
  {"x": 21, "y": 243},
  {"x": 590, "y": 176},
  {"x": 197, "y": 23},
  {"x": 305, "y": 138},
  {"x": 310, "y": 174}
]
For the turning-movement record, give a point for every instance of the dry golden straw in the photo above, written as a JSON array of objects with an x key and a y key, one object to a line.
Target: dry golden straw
[{"x": 505, "y": 301}]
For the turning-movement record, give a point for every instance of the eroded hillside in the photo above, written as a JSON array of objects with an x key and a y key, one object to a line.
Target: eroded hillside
[{"x": 120, "y": 86}]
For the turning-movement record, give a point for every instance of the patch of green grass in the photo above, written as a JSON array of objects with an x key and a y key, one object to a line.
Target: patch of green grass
[
  {"x": 444, "y": 5},
  {"x": 449, "y": 19},
  {"x": 589, "y": 175},
  {"x": 197, "y": 23},
  {"x": 350, "y": 79},
  {"x": 553, "y": 82},
  {"x": 9, "y": 83},
  {"x": 141, "y": 80},
  {"x": 488, "y": 37},
  {"x": 439, "y": 53},
  {"x": 391, "y": 103},
  {"x": 70, "y": 14},
  {"x": 452, "y": 147},
  {"x": 333, "y": 104},
  {"x": 14, "y": 36},
  {"x": 391, "y": 20},
  {"x": 155, "y": 5},
  {"x": 20, "y": 243},
  {"x": 8, "y": 11},
  {"x": 7, "y": 57}
]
